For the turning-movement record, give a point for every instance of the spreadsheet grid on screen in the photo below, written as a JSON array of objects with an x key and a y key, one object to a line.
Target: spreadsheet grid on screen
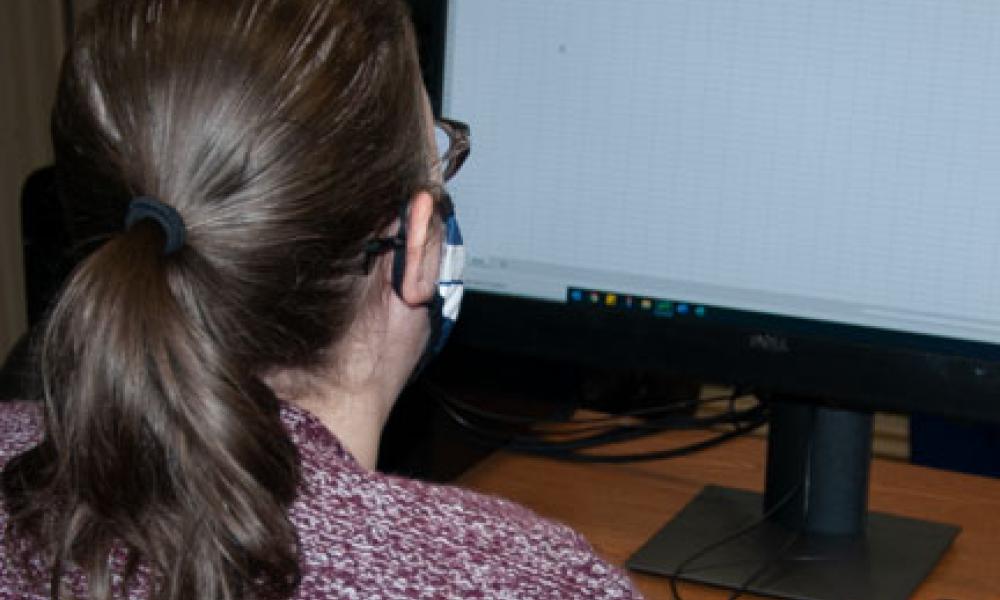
[{"x": 832, "y": 159}]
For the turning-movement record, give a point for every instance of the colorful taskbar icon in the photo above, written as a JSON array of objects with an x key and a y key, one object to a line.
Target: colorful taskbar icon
[{"x": 617, "y": 301}]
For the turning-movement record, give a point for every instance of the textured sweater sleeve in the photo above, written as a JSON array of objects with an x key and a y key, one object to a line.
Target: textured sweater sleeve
[{"x": 20, "y": 428}]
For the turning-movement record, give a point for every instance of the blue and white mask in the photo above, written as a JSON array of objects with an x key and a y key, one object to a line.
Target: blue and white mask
[{"x": 451, "y": 286}]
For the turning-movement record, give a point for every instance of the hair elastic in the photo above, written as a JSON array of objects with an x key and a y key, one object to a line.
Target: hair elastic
[{"x": 145, "y": 207}]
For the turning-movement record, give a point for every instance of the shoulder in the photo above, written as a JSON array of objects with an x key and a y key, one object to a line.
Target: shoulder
[
  {"x": 21, "y": 428},
  {"x": 380, "y": 534}
]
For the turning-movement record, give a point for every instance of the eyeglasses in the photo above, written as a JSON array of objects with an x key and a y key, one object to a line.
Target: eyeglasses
[{"x": 453, "y": 136}]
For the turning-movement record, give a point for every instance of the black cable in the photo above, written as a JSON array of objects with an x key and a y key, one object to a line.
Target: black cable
[
  {"x": 779, "y": 555},
  {"x": 655, "y": 455},
  {"x": 747, "y": 422},
  {"x": 562, "y": 428},
  {"x": 649, "y": 420},
  {"x": 729, "y": 538},
  {"x": 763, "y": 518},
  {"x": 683, "y": 421},
  {"x": 626, "y": 433},
  {"x": 535, "y": 440},
  {"x": 536, "y": 421},
  {"x": 567, "y": 448},
  {"x": 605, "y": 435},
  {"x": 622, "y": 433}
]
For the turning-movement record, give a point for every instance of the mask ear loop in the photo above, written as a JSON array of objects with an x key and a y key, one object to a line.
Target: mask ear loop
[
  {"x": 399, "y": 253},
  {"x": 397, "y": 244}
]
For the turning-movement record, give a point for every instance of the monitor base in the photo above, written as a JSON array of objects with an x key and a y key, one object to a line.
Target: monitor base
[{"x": 888, "y": 563}]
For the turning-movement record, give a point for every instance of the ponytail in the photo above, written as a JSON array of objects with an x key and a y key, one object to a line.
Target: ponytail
[
  {"x": 138, "y": 391},
  {"x": 285, "y": 134}
]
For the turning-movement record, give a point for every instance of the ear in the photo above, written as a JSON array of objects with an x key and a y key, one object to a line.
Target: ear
[{"x": 423, "y": 252}]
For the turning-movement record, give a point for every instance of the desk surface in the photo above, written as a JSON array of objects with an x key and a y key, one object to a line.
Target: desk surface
[{"x": 618, "y": 507}]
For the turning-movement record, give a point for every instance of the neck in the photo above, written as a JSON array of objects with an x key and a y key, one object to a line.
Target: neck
[
  {"x": 354, "y": 392},
  {"x": 355, "y": 419},
  {"x": 354, "y": 414}
]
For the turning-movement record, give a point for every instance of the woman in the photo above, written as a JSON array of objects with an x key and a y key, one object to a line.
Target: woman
[{"x": 218, "y": 369}]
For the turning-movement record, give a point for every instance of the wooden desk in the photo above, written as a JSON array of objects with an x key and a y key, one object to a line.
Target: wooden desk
[{"x": 618, "y": 507}]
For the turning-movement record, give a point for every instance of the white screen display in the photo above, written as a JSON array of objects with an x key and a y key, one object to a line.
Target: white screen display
[{"x": 827, "y": 159}]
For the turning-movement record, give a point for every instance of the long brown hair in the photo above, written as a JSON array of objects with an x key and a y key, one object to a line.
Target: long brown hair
[{"x": 285, "y": 132}]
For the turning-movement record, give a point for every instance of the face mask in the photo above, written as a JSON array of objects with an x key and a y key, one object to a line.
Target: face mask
[{"x": 444, "y": 306}]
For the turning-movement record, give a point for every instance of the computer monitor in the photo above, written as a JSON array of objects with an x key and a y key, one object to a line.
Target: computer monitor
[{"x": 799, "y": 196}]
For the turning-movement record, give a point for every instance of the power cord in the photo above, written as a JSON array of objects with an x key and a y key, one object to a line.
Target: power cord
[
  {"x": 753, "y": 577},
  {"x": 771, "y": 560},
  {"x": 581, "y": 424},
  {"x": 535, "y": 436},
  {"x": 708, "y": 549}
]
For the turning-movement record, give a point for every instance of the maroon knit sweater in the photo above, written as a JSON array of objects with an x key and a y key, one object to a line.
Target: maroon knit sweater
[{"x": 366, "y": 535}]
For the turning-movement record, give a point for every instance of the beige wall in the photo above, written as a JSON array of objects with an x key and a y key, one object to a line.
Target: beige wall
[{"x": 30, "y": 49}]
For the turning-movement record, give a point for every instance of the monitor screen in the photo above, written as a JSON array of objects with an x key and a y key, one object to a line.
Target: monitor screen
[{"x": 818, "y": 172}]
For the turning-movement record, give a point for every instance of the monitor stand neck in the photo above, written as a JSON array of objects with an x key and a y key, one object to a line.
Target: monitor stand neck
[
  {"x": 810, "y": 536},
  {"x": 817, "y": 468}
]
